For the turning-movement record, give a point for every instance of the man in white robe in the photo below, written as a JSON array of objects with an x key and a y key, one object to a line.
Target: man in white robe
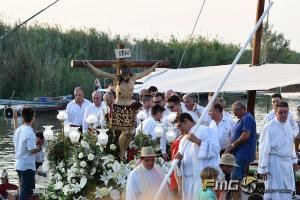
[
  {"x": 202, "y": 151},
  {"x": 276, "y": 98},
  {"x": 144, "y": 181},
  {"x": 277, "y": 155}
]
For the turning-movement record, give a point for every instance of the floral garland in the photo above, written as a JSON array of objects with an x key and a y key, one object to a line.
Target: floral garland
[{"x": 89, "y": 169}]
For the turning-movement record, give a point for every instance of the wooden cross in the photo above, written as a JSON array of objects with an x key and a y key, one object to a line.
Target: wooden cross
[{"x": 120, "y": 62}]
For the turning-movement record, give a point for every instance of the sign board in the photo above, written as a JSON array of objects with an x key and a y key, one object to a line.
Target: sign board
[{"x": 122, "y": 53}]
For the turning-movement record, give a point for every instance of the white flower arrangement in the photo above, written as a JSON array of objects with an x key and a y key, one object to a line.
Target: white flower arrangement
[
  {"x": 159, "y": 131},
  {"x": 80, "y": 155},
  {"x": 112, "y": 147},
  {"x": 92, "y": 119},
  {"x": 62, "y": 115},
  {"x": 48, "y": 133},
  {"x": 171, "y": 135},
  {"x": 91, "y": 156},
  {"x": 172, "y": 116},
  {"x": 102, "y": 137},
  {"x": 141, "y": 116},
  {"x": 59, "y": 185},
  {"x": 84, "y": 144},
  {"x": 83, "y": 164},
  {"x": 67, "y": 129},
  {"x": 74, "y": 135},
  {"x": 83, "y": 181}
]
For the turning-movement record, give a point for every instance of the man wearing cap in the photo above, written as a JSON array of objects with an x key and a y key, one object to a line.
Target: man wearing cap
[
  {"x": 276, "y": 98},
  {"x": 277, "y": 157},
  {"x": 227, "y": 165},
  {"x": 144, "y": 181}
]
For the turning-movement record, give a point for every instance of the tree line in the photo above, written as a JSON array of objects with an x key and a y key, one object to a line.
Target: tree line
[{"x": 35, "y": 60}]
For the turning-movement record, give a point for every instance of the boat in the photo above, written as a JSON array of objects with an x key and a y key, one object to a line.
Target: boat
[{"x": 40, "y": 104}]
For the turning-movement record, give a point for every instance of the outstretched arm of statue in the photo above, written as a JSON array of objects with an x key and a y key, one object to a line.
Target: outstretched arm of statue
[
  {"x": 147, "y": 71},
  {"x": 97, "y": 71}
]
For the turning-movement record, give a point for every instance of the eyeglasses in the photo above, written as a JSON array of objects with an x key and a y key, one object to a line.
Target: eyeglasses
[{"x": 283, "y": 112}]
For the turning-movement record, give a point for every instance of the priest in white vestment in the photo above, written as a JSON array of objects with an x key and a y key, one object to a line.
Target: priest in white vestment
[
  {"x": 144, "y": 181},
  {"x": 202, "y": 151},
  {"x": 277, "y": 156},
  {"x": 276, "y": 98}
]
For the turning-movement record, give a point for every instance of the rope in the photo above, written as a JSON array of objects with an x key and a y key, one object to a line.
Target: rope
[
  {"x": 14, "y": 29},
  {"x": 190, "y": 37}
]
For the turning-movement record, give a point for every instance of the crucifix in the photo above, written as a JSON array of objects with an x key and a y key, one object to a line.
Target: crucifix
[{"x": 124, "y": 113}]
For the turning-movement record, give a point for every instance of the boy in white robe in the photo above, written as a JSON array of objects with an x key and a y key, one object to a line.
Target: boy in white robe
[
  {"x": 203, "y": 150},
  {"x": 144, "y": 181},
  {"x": 277, "y": 155}
]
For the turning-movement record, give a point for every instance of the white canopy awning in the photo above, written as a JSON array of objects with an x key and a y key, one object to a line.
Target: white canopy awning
[{"x": 207, "y": 79}]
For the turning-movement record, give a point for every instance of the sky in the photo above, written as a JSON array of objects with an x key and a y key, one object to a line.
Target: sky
[{"x": 230, "y": 21}]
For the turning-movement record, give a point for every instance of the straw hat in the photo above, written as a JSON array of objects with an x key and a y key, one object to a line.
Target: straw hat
[
  {"x": 228, "y": 159},
  {"x": 147, "y": 152}
]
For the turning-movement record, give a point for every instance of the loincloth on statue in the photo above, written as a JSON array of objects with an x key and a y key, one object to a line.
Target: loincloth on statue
[{"x": 123, "y": 117}]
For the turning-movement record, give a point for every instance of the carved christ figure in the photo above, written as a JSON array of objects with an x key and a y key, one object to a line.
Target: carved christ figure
[{"x": 124, "y": 82}]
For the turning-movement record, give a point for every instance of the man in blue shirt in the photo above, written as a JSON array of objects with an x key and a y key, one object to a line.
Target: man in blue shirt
[
  {"x": 25, "y": 148},
  {"x": 244, "y": 141}
]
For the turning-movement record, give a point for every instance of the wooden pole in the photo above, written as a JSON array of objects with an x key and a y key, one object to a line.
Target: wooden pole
[{"x": 256, "y": 54}]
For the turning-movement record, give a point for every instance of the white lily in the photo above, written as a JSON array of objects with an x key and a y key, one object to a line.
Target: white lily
[{"x": 83, "y": 181}]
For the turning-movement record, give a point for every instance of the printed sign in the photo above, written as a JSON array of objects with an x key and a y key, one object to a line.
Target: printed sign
[{"x": 122, "y": 53}]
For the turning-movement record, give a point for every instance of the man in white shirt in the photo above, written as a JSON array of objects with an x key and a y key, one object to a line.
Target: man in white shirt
[
  {"x": 150, "y": 124},
  {"x": 25, "y": 148},
  {"x": 277, "y": 155},
  {"x": 191, "y": 106},
  {"x": 144, "y": 181},
  {"x": 76, "y": 108},
  {"x": 93, "y": 109},
  {"x": 159, "y": 98},
  {"x": 202, "y": 151},
  {"x": 223, "y": 124},
  {"x": 276, "y": 98},
  {"x": 147, "y": 104}
]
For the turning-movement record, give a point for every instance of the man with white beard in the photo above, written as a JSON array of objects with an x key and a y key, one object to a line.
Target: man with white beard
[
  {"x": 202, "y": 151},
  {"x": 277, "y": 155},
  {"x": 144, "y": 181}
]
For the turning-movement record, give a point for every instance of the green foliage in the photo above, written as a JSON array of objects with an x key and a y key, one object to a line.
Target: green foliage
[
  {"x": 35, "y": 60},
  {"x": 275, "y": 48}
]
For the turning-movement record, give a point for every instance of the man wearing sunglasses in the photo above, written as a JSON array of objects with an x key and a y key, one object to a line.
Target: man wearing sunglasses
[{"x": 277, "y": 155}]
